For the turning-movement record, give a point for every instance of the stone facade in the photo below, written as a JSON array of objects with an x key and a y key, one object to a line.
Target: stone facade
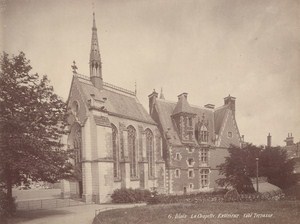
[{"x": 195, "y": 141}]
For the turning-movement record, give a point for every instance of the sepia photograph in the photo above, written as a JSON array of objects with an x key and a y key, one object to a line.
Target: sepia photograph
[{"x": 149, "y": 111}]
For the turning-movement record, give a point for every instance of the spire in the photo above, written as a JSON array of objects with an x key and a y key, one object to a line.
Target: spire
[
  {"x": 95, "y": 59},
  {"x": 161, "y": 94}
]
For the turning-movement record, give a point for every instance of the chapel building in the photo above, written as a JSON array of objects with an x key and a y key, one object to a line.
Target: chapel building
[
  {"x": 175, "y": 149},
  {"x": 116, "y": 142}
]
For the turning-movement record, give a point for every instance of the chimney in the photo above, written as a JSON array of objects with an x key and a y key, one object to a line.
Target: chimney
[
  {"x": 289, "y": 140},
  {"x": 182, "y": 95},
  {"x": 269, "y": 139},
  {"x": 152, "y": 98},
  {"x": 209, "y": 106},
  {"x": 230, "y": 100}
]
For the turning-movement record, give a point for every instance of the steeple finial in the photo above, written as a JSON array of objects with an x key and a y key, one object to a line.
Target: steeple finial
[
  {"x": 95, "y": 58},
  {"x": 94, "y": 21}
]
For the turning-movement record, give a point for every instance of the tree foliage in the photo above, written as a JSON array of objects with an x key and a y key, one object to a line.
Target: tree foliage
[
  {"x": 32, "y": 123},
  {"x": 275, "y": 165},
  {"x": 240, "y": 166}
]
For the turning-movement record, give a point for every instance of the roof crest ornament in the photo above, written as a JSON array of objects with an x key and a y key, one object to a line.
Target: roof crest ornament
[{"x": 74, "y": 67}]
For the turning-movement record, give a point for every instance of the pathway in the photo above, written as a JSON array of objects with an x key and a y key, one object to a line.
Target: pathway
[{"x": 67, "y": 215}]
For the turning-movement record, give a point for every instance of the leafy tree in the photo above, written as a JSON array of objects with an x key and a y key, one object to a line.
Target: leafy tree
[
  {"x": 240, "y": 166},
  {"x": 275, "y": 165},
  {"x": 32, "y": 122}
]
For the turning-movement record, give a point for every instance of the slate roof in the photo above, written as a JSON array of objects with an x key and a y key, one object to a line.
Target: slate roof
[
  {"x": 182, "y": 106},
  {"x": 219, "y": 117},
  {"x": 116, "y": 103},
  {"x": 165, "y": 110}
]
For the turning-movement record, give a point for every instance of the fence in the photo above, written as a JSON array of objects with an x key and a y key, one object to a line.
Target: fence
[{"x": 49, "y": 203}]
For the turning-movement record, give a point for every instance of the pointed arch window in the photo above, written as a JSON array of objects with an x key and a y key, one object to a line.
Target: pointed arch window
[
  {"x": 77, "y": 146},
  {"x": 132, "y": 151},
  {"x": 115, "y": 147},
  {"x": 150, "y": 152}
]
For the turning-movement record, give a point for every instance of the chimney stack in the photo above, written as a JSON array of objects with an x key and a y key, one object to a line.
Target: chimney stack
[
  {"x": 289, "y": 140},
  {"x": 230, "y": 100},
  {"x": 269, "y": 139},
  {"x": 152, "y": 98}
]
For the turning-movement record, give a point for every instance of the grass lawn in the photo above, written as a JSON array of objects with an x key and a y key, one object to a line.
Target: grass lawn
[{"x": 274, "y": 212}]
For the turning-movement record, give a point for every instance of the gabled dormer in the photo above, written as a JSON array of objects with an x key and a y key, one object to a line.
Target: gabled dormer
[
  {"x": 183, "y": 117},
  {"x": 201, "y": 130}
]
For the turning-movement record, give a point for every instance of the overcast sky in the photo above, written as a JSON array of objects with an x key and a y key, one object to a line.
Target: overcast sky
[{"x": 249, "y": 49}]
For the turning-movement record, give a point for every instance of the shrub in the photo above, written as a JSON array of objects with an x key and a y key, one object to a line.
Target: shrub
[
  {"x": 129, "y": 195},
  {"x": 230, "y": 196}
]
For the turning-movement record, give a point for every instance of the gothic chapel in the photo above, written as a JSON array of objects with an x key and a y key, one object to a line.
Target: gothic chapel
[
  {"x": 116, "y": 141},
  {"x": 175, "y": 149}
]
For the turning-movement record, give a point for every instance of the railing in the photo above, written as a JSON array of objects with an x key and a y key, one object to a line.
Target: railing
[
  {"x": 108, "y": 85},
  {"x": 83, "y": 76},
  {"x": 119, "y": 88},
  {"x": 49, "y": 203}
]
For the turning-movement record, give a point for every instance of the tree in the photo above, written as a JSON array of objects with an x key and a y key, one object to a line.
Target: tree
[
  {"x": 32, "y": 122},
  {"x": 275, "y": 165},
  {"x": 240, "y": 167}
]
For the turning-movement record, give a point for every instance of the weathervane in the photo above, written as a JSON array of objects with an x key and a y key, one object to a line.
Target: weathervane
[{"x": 74, "y": 67}]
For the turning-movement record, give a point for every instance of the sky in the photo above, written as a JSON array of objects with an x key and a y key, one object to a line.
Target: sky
[{"x": 249, "y": 49}]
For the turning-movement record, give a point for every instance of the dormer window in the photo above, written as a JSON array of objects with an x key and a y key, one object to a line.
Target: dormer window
[
  {"x": 203, "y": 134},
  {"x": 201, "y": 130},
  {"x": 190, "y": 121},
  {"x": 229, "y": 134}
]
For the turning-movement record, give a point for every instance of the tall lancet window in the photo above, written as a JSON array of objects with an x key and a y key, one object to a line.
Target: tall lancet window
[
  {"x": 115, "y": 147},
  {"x": 150, "y": 152},
  {"x": 132, "y": 151},
  {"x": 77, "y": 146}
]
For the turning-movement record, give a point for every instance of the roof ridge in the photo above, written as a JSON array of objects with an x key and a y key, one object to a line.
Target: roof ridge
[
  {"x": 221, "y": 107},
  {"x": 191, "y": 105},
  {"x": 168, "y": 101}
]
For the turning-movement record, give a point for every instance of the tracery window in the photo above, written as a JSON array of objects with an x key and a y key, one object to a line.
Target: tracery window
[
  {"x": 132, "y": 151},
  {"x": 201, "y": 131},
  {"x": 150, "y": 152},
  {"x": 115, "y": 146},
  {"x": 77, "y": 146}
]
